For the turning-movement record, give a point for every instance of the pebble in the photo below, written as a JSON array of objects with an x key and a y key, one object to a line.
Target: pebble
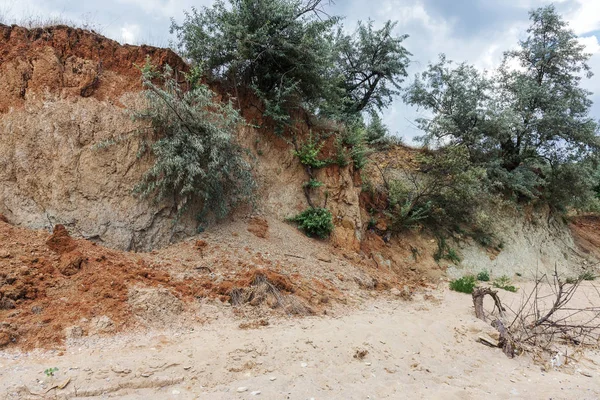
[
  {"x": 368, "y": 364},
  {"x": 255, "y": 393},
  {"x": 272, "y": 378},
  {"x": 242, "y": 389},
  {"x": 175, "y": 391},
  {"x": 304, "y": 365}
]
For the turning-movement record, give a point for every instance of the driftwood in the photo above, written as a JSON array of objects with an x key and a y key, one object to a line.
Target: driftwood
[
  {"x": 505, "y": 342},
  {"x": 478, "y": 295}
]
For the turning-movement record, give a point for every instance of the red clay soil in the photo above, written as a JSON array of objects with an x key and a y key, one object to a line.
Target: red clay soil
[
  {"x": 50, "y": 282},
  {"x": 586, "y": 232},
  {"x": 71, "y": 61}
]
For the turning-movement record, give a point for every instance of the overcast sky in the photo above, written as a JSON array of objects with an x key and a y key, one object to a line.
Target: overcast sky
[{"x": 476, "y": 31}]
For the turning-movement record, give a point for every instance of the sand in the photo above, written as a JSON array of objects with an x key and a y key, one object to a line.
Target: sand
[{"x": 424, "y": 349}]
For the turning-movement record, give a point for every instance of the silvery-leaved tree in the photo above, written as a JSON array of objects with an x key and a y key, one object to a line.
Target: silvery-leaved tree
[
  {"x": 196, "y": 157},
  {"x": 293, "y": 55},
  {"x": 527, "y": 122}
]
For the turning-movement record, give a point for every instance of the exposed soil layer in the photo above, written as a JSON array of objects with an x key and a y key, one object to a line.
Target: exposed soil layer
[
  {"x": 53, "y": 286},
  {"x": 70, "y": 62}
]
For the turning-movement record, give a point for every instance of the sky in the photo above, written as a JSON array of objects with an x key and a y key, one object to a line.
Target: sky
[{"x": 475, "y": 31}]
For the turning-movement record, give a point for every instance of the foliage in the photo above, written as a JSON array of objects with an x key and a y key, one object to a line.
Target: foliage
[
  {"x": 446, "y": 191},
  {"x": 504, "y": 283},
  {"x": 313, "y": 183},
  {"x": 196, "y": 157},
  {"x": 372, "y": 64},
  {"x": 49, "y": 372},
  {"x": 315, "y": 221},
  {"x": 308, "y": 153},
  {"x": 483, "y": 276},
  {"x": 376, "y": 131},
  {"x": 466, "y": 284},
  {"x": 293, "y": 55},
  {"x": 529, "y": 127},
  {"x": 587, "y": 276},
  {"x": 446, "y": 252}
]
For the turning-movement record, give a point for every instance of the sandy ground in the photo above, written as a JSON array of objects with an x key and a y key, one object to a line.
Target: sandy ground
[{"x": 424, "y": 349}]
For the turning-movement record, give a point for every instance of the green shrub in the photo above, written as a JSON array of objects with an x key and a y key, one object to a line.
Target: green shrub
[
  {"x": 587, "y": 276},
  {"x": 504, "y": 283},
  {"x": 466, "y": 284},
  {"x": 315, "y": 222},
  {"x": 196, "y": 157},
  {"x": 483, "y": 276},
  {"x": 313, "y": 183},
  {"x": 446, "y": 252},
  {"x": 308, "y": 153},
  {"x": 584, "y": 276}
]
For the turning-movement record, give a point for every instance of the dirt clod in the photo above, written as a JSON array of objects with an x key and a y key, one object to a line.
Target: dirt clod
[
  {"x": 259, "y": 227},
  {"x": 60, "y": 241},
  {"x": 71, "y": 263}
]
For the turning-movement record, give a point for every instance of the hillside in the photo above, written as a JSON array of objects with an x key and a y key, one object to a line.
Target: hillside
[{"x": 85, "y": 263}]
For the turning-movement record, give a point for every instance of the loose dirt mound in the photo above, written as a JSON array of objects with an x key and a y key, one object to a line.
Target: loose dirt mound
[{"x": 53, "y": 285}]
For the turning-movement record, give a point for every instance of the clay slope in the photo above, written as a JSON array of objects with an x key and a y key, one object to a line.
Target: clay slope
[
  {"x": 64, "y": 91},
  {"x": 70, "y": 62}
]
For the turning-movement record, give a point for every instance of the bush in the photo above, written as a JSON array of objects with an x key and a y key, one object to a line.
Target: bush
[
  {"x": 196, "y": 157},
  {"x": 483, "y": 276},
  {"x": 446, "y": 252},
  {"x": 504, "y": 283},
  {"x": 587, "y": 276},
  {"x": 313, "y": 183},
  {"x": 466, "y": 284},
  {"x": 315, "y": 222},
  {"x": 308, "y": 153}
]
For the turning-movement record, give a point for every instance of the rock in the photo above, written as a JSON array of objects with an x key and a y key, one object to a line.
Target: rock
[
  {"x": 255, "y": 393},
  {"x": 3, "y": 218},
  {"x": 272, "y": 378},
  {"x": 74, "y": 332},
  {"x": 37, "y": 309},
  {"x": 118, "y": 369},
  {"x": 323, "y": 256},
  {"x": 381, "y": 261},
  {"x": 70, "y": 263},
  {"x": 395, "y": 291},
  {"x": 61, "y": 175},
  {"x": 4, "y": 339},
  {"x": 4, "y": 253},
  {"x": 242, "y": 389}
]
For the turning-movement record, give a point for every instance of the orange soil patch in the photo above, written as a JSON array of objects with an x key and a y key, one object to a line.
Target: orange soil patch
[{"x": 49, "y": 283}]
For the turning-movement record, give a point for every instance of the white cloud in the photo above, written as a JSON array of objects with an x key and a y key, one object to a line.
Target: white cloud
[
  {"x": 586, "y": 17},
  {"x": 130, "y": 33},
  {"x": 591, "y": 44}
]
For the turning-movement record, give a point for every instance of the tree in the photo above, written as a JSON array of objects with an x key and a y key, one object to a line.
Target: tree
[
  {"x": 529, "y": 125},
  {"x": 293, "y": 55},
  {"x": 282, "y": 49},
  {"x": 196, "y": 157},
  {"x": 373, "y": 64}
]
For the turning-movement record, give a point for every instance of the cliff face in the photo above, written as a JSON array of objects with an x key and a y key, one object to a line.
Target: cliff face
[
  {"x": 62, "y": 92},
  {"x": 70, "y": 63}
]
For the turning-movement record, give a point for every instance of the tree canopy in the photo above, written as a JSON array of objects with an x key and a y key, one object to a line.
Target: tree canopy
[
  {"x": 527, "y": 122},
  {"x": 292, "y": 54}
]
